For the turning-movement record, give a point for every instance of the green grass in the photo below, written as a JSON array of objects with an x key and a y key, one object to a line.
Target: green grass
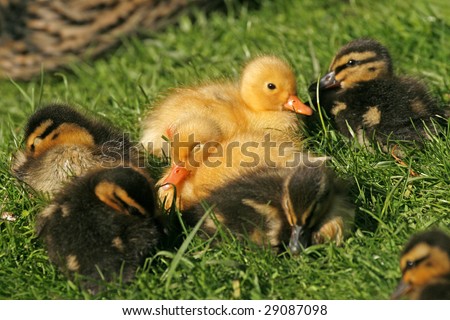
[{"x": 391, "y": 205}]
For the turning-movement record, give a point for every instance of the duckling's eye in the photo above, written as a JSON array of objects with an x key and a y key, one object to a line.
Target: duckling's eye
[
  {"x": 351, "y": 63},
  {"x": 197, "y": 147},
  {"x": 35, "y": 143},
  {"x": 271, "y": 86},
  {"x": 410, "y": 264}
]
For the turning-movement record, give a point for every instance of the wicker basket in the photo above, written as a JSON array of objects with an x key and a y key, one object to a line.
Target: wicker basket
[{"x": 48, "y": 34}]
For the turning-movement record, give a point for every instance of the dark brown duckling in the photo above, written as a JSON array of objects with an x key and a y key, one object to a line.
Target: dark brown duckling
[
  {"x": 61, "y": 142},
  {"x": 101, "y": 225},
  {"x": 296, "y": 207},
  {"x": 365, "y": 99},
  {"x": 425, "y": 266}
]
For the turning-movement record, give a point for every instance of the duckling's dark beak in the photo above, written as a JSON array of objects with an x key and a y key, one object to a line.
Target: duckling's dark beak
[
  {"x": 329, "y": 81},
  {"x": 401, "y": 290},
  {"x": 294, "y": 241},
  {"x": 177, "y": 175},
  {"x": 294, "y": 104}
]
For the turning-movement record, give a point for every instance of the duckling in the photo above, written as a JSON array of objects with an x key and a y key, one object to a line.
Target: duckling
[
  {"x": 267, "y": 87},
  {"x": 425, "y": 266},
  {"x": 279, "y": 206},
  {"x": 187, "y": 151},
  {"x": 362, "y": 96},
  {"x": 210, "y": 165},
  {"x": 60, "y": 143},
  {"x": 101, "y": 225}
]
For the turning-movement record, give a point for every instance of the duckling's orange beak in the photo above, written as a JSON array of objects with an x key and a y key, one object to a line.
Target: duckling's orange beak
[
  {"x": 176, "y": 176},
  {"x": 294, "y": 104}
]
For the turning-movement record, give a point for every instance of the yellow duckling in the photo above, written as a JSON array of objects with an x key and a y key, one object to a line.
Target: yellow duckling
[
  {"x": 211, "y": 164},
  {"x": 364, "y": 98},
  {"x": 60, "y": 143},
  {"x": 216, "y": 112},
  {"x": 275, "y": 207},
  {"x": 425, "y": 266},
  {"x": 101, "y": 225},
  {"x": 267, "y": 87}
]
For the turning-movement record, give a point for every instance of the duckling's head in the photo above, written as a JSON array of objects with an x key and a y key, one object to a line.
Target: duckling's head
[
  {"x": 425, "y": 258},
  {"x": 125, "y": 190},
  {"x": 56, "y": 124},
  {"x": 306, "y": 199},
  {"x": 269, "y": 84},
  {"x": 358, "y": 61},
  {"x": 192, "y": 142}
]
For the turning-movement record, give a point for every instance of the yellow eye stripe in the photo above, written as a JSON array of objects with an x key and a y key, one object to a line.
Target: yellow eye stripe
[
  {"x": 37, "y": 132},
  {"x": 114, "y": 196},
  {"x": 359, "y": 56},
  {"x": 66, "y": 133}
]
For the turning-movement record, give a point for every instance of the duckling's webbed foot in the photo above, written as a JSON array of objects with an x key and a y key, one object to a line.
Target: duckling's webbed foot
[
  {"x": 332, "y": 230},
  {"x": 167, "y": 196}
]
